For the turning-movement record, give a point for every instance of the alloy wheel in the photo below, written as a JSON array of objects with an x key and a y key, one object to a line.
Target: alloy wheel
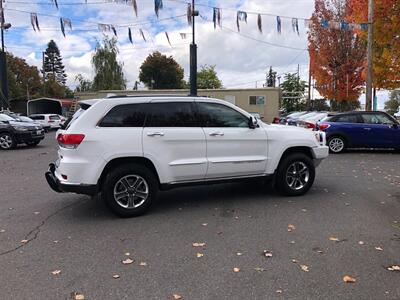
[
  {"x": 5, "y": 141},
  {"x": 131, "y": 191},
  {"x": 336, "y": 145},
  {"x": 297, "y": 175}
]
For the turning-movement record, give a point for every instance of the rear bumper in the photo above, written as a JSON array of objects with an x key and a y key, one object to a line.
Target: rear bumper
[{"x": 59, "y": 187}]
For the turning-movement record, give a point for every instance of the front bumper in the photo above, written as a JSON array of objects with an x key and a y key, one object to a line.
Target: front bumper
[
  {"x": 28, "y": 136},
  {"x": 319, "y": 153},
  {"x": 59, "y": 187}
]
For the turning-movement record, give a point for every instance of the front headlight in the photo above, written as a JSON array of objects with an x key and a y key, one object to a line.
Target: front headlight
[{"x": 19, "y": 128}]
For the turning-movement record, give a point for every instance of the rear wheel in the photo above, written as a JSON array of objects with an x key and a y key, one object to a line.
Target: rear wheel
[
  {"x": 295, "y": 175},
  {"x": 130, "y": 190},
  {"x": 336, "y": 144},
  {"x": 7, "y": 141}
]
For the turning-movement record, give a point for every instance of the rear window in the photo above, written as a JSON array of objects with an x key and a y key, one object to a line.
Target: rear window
[
  {"x": 127, "y": 115},
  {"x": 37, "y": 117},
  {"x": 346, "y": 119},
  {"x": 171, "y": 114}
]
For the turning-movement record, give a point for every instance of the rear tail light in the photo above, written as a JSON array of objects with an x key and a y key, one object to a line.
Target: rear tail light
[
  {"x": 323, "y": 126},
  {"x": 276, "y": 120},
  {"x": 310, "y": 125},
  {"x": 70, "y": 141}
]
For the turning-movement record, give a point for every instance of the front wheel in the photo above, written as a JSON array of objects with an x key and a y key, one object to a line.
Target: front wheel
[
  {"x": 295, "y": 175},
  {"x": 7, "y": 141},
  {"x": 130, "y": 190}
]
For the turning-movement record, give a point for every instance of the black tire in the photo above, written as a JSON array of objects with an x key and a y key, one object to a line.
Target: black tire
[
  {"x": 33, "y": 144},
  {"x": 7, "y": 141},
  {"x": 130, "y": 172},
  {"x": 285, "y": 184},
  {"x": 337, "y": 144}
]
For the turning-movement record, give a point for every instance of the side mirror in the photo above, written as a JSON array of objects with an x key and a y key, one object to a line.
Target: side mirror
[{"x": 253, "y": 122}]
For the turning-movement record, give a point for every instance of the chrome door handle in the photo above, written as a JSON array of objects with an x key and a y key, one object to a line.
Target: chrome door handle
[
  {"x": 216, "y": 133},
  {"x": 155, "y": 134},
  {"x": 367, "y": 128}
]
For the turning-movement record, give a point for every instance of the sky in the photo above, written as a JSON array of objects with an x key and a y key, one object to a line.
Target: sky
[{"x": 241, "y": 59}]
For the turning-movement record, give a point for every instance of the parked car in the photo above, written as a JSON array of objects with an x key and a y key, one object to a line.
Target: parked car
[
  {"x": 53, "y": 120},
  {"x": 130, "y": 148},
  {"x": 311, "y": 122},
  {"x": 292, "y": 116},
  {"x": 14, "y": 132},
  {"x": 360, "y": 129},
  {"x": 25, "y": 119},
  {"x": 295, "y": 121}
]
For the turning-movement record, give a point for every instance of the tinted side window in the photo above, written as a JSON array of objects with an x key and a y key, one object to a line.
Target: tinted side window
[
  {"x": 218, "y": 115},
  {"x": 171, "y": 114},
  {"x": 376, "y": 119},
  {"x": 37, "y": 117},
  {"x": 127, "y": 115},
  {"x": 55, "y": 117},
  {"x": 347, "y": 119}
]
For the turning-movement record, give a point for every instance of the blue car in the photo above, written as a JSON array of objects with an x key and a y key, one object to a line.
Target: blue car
[{"x": 360, "y": 130}]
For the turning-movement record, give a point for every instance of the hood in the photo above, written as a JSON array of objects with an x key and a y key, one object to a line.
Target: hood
[{"x": 26, "y": 124}]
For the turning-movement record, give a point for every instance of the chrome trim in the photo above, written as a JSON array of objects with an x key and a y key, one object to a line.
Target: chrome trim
[
  {"x": 220, "y": 178},
  {"x": 158, "y": 133}
]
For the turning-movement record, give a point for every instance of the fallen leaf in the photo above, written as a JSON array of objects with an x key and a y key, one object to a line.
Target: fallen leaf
[
  {"x": 2, "y": 231},
  {"x": 267, "y": 253},
  {"x": 177, "y": 297},
  {"x": 361, "y": 243},
  {"x": 199, "y": 255},
  {"x": 279, "y": 291},
  {"x": 143, "y": 263},
  {"x": 116, "y": 276},
  {"x": 236, "y": 270},
  {"x": 291, "y": 227},
  {"x": 333, "y": 238},
  {"x": 292, "y": 242},
  {"x": 378, "y": 248},
  {"x": 127, "y": 254},
  {"x": 24, "y": 241},
  {"x": 204, "y": 224},
  {"x": 77, "y": 296},
  {"x": 199, "y": 244},
  {"x": 303, "y": 210},
  {"x": 259, "y": 269},
  {"x": 394, "y": 268},
  {"x": 56, "y": 272},
  {"x": 36, "y": 212},
  {"x": 55, "y": 242},
  {"x": 304, "y": 268},
  {"x": 239, "y": 254},
  {"x": 127, "y": 261},
  {"x": 294, "y": 261},
  {"x": 349, "y": 279},
  {"x": 237, "y": 218}
]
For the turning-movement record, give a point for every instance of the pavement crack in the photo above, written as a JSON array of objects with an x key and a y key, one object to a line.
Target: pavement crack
[{"x": 34, "y": 233}]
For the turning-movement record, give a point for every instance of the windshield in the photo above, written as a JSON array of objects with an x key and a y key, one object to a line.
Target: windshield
[
  {"x": 25, "y": 119},
  {"x": 5, "y": 118}
]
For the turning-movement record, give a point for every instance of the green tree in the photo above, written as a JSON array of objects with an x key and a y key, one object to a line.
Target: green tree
[
  {"x": 393, "y": 104},
  {"x": 270, "y": 78},
  {"x": 54, "y": 89},
  {"x": 108, "y": 71},
  {"x": 293, "y": 93},
  {"x": 53, "y": 65},
  {"x": 84, "y": 85},
  {"x": 161, "y": 72},
  {"x": 320, "y": 105},
  {"x": 207, "y": 78},
  {"x": 23, "y": 80}
]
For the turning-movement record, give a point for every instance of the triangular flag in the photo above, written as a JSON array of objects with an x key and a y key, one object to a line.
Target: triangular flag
[
  {"x": 130, "y": 35},
  {"x": 35, "y": 22},
  {"x": 169, "y": 42},
  {"x": 259, "y": 23},
  {"x": 183, "y": 35},
  {"x": 55, "y": 2},
  {"x": 189, "y": 13},
  {"x": 278, "y": 24},
  {"x": 62, "y": 26},
  {"x": 158, "y": 4},
  {"x": 114, "y": 30},
  {"x": 141, "y": 32}
]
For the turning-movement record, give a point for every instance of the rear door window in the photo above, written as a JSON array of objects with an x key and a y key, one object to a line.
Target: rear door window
[
  {"x": 171, "y": 114},
  {"x": 126, "y": 115},
  {"x": 347, "y": 119}
]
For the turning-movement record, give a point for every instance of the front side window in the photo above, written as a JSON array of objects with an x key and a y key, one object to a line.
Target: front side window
[
  {"x": 376, "y": 119},
  {"x": 126, "y": 115},
  {"x": 347, "y": 119},
  {"x": 171, "y": 114},
  {"x": 218, "y": 115}
]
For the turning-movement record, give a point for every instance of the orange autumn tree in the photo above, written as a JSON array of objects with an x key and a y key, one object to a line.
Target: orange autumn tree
[
  {"x": 337, "y": 56},
  {"x": 386, "y": 46}
]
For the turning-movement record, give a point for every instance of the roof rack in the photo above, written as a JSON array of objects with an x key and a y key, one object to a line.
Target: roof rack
[{"x": 112, "y": 96}]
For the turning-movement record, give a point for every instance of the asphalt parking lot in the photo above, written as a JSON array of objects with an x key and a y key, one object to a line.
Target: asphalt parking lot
[{"x": 54, "y": 246}]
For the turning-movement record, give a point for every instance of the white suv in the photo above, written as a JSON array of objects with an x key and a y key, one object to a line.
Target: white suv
[{"x": 129, "y": 148}]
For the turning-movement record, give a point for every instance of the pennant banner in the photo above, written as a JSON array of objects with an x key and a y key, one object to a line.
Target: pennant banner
[
  {"x": 134, "y": 6},
  {"x": 130, "y": 35},
  {"x": 217, "y": 17},
  {"x": 169, "y": 42},
  {"x": 55, "y": 3},
  {"x": 342, "y": 25},
  {"x": 64, "y": 22},
  {"x": 158, "y": 4},
  {"x": 104, "y": 27},
  {"x": 278, "y": 24},
  {"x": 35, "y": 22},
  {"x": 114, "y": 30},
  {"x": 189, "y": 13},
  {"x": 259, "y": 23},
  {"x": 295, "y": 25},
  {"x": 183, "y": 35},
  {"x": 142, "y": 34}
]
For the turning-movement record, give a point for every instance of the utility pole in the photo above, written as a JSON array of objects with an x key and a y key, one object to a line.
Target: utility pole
[
  {"x": 3, "y": 60},
  {"x": 309, "y": 86},
  {"x": 43, "y": 73},
  {"x": 193, "y": 55},
  {"x": 368, "y": 92}
]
